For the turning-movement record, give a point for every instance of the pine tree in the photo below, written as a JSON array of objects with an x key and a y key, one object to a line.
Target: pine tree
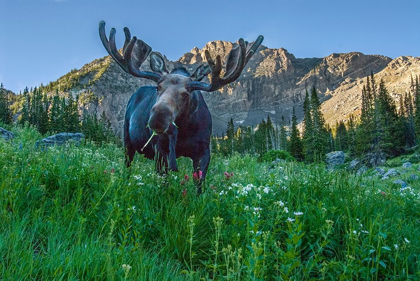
[
  {"x": 5, "y": 112},
  {"x": 341, "y": 137},
  {"x": 269, "y": 134},
  {"x": 230, "y": 133},
  {"x": 26, "y": 107},
  {"x": 295, "y": 144},
  {"x": 320, "y": 134},
  {"x": 283, "y": 135},
  {"x": 308, "y": 130}
]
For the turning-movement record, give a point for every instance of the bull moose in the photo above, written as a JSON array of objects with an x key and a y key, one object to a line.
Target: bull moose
[{"x": 171, "y": 119}]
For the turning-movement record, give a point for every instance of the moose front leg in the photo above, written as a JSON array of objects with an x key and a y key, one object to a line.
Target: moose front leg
[
  {"x": 201, "y": 164},
  {"x": 172, "y": 145}
]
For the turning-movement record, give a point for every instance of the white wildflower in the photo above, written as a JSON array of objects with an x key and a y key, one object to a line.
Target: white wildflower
[
  {"x": 364, "y": 231},
  {"x": 396, "y": 246},
  {"x": 298, "y": 213},
  {"x": 406, "y": 240},
  {"x": 290, "y": 220},
  {"x": 286, "y": 210},
  {"x": 354, "y": 231},
  {"x": 279, "y": 203},
  {"x": 266, "y": 190}
]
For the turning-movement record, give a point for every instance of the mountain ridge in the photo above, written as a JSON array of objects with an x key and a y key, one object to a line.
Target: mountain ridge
[{"x": 273, "y": 82}]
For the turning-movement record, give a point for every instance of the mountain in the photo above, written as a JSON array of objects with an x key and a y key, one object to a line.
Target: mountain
[{"x": 273, "y": 82}]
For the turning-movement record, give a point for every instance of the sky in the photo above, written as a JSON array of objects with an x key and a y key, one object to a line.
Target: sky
[{"x": 41, "y": 40}]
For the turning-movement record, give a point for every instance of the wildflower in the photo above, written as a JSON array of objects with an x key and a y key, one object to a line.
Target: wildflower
[
  {"x": 354, "y": 232},
  {"x": 365, "y": 231},
  {"x": 279, "y": 203},
  {"x": 133, "y": 208},
  {"x": 396, "y": 246},
  {"x": 298, "y": 213},
  {"x": 406, "y": 240},
  {"x": 286, "y": 210},
  {"x": 197, "y": 176},
  {"x": 186, "y": 177},
  {"x": 266, "y": 190},
  {"x": 290, "y": 220},
  {"x": 184, "y": 193},
  {"x": 227, "y": 175},
  {"x": 112, "y": 170},
  {"x": 222, "y": 192},
  {"x": 126, "y": 267}
]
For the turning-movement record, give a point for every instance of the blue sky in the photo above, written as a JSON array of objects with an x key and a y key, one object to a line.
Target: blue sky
[{"x": 41, "y": 40}]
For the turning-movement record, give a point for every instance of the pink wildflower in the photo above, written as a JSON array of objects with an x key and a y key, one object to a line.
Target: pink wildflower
[
  {"x": 184, "y": 193},
  {"x": 197, "y": 176},
  {"x": 186, "y": 177},
  {"x": 112, "y": 170}
]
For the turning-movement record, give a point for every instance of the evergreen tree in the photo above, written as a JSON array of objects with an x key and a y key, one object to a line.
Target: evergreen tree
[
  {"x": 283, "y": 135},
  {"x": 230, "y": 133},
  {"x": 5, "y": 112},
  {"x": 269, "y": 134},
  {"x": 308, "y": 130},
  {"x": 26, "y": 107},
  {"x": 295, "y": 144},
  {"x": 320, "y": 134},
  {"x": 55, "y": 115},
  {"x": 341, "y": 137}
]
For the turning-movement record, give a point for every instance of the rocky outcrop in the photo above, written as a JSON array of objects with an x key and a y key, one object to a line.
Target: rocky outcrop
[
  {"x": 5, "y": 134},
  {"x": 60, "y": 139}
]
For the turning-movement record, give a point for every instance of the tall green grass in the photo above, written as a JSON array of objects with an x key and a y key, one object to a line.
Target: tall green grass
[{"x": 76, "y": 213}]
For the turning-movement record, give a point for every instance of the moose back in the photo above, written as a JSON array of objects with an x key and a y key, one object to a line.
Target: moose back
[{"x": 171, "y": 119}]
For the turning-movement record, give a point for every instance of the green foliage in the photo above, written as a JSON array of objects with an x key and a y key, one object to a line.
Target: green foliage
[
  {"x": 5, "y": 112},
  {"x": 76, "y": 213},
  {"x": 295, "y": 144},
  {"x": 273, "y": 155}
]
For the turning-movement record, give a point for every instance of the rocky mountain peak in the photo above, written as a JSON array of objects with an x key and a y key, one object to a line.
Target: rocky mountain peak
[{"x": 273, "y": 83}]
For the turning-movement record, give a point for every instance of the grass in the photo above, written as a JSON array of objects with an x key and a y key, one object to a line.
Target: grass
[{"x": 76, "y": 213}]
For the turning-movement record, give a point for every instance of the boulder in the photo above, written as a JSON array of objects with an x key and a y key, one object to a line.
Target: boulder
[
  {"x": 361, "y": 170},
  {"x": 60, "y": 139},
  {"x": 414, "y": 177},
  {"x": 390, "y": 173},
  {"x": 401, "y": 183},
  {"x": 379, "y": 171},
  {"x": 353, "y": 164},
  {"x": 407, "y": 165},
  {"x": 335, "y": 158},
  {"x": 375, "y": 159},
  {"x": 5, "y": 134}
]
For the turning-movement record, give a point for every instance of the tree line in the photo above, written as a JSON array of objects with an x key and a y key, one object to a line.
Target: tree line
[
  {"x": 54, "y": 114},
  {"x": 383, "y": 129}
]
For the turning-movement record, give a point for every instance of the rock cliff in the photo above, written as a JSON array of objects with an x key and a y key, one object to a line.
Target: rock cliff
[{"x": 273, "y": 82}]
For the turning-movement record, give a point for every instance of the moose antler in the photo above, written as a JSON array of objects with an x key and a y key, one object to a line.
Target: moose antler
[
  {"x": 236, "y": 61},
  {"x": 135, "y": 52}
]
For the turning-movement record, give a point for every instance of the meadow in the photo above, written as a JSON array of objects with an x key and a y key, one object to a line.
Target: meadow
[{"x": 76, "y": 213}]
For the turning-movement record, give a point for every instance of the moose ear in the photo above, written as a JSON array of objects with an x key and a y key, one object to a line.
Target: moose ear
[
  {"x": 201, "y": 71},
  {"x": 157, "y": 63}
]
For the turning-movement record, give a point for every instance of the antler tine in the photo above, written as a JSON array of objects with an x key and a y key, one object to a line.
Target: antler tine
[
  {"x": 135, "y": 53},
  {"x": 236, "y": 61}
]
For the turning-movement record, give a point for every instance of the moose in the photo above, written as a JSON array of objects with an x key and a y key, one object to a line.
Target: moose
[{"x": 171, "y": 120}]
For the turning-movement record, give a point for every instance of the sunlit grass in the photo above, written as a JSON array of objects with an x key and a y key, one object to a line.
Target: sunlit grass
[{"x": 73, "y": 213}]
